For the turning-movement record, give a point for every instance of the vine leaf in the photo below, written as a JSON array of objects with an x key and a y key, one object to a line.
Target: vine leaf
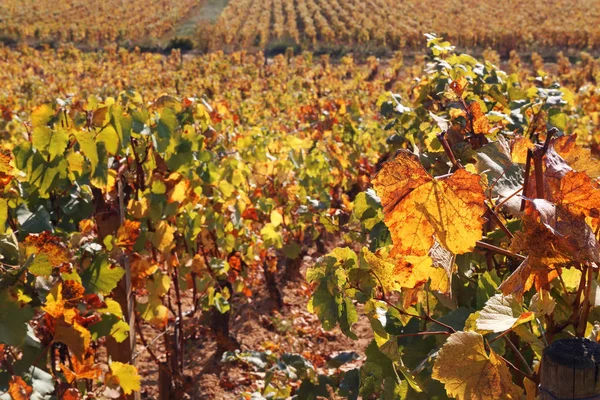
[
  {"x": 48, "y": 252},
  {"x": 101, "y": 277},
  {"x": 85, "y": 369},
  {"x": 481, "y": 125},
  {"x": 418, "y": 207},
  {"x": 6, "y": 170},
  {"x": 579, "y": 158},
  {"x": 579, "y": 195},
  {"x": 124, "y": 375},
  {"x": 13, "y": 320},
  {"x": 468, "y": 372},
  {"x": 19, "y": 389},
  {"x": 502, "y": 313},
  {"x": 128, "y": 233}
]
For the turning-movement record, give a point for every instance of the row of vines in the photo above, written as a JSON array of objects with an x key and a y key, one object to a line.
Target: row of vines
[
  {"x": 123, "y": 220},
  {"x": 400, "y": 25},
  {"x": 90, "y": 23}
]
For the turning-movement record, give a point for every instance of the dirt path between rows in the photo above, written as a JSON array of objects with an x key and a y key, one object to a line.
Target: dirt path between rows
[
  {"x": 207, "y": 11},
  {"x": 258, "y": 328}
]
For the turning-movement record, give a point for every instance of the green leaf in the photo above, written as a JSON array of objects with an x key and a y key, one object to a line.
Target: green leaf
[
  {"x": 101, "y": 277},
  {"x": 87, "y": 144},
  {"x": 41, "y": 265},
  {"x": 52, "y": 142},
  {"x": 292, "y": 250},
  {"x": 487, "y": 286},
  {"x": 13, "y": 320},
  {"x": 3, "y": 215}
]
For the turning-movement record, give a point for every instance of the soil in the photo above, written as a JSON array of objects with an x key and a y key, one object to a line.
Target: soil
[{"x": 256, "y": 326}]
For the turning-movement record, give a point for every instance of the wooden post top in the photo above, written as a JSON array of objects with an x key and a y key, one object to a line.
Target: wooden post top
[{"x": 570, "y": 370}]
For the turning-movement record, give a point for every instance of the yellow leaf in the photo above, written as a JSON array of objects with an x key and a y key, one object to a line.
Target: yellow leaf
[
  {"x": 418, "y": 207},
  {"x": 163, "y": 237},
  {"x": 109, "y": 136},
  {"x": 138, "y": 209},
  {"x": 126, "y": 376},
  {"x": 178, "y": 194},
  {"x": 76, "y": 337},
  {"x": 40, "y": 116},
  {"x": 469, "y": 373},
  {"x": 519, "y": 149},
  {"x": 55, "y": 306},
  {"x": 155, "y": 313},
  {"x": 112, "y": 307},
  {"x": 276, "y": 218}
]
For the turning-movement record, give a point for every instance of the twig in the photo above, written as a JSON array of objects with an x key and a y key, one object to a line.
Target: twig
[
  {"x": 128, "y": 284},
  {"x": 501, "y": 335},
  {"x": 518, "y": 354},
  {"x": 526, "y": 180},
  {"x": 497, "y": 206},
  {"x": 442, "y": 138},
  {"x": 499, "y": 250},
  {"x": 499, "y": 222},
  {"x": 423, "y": 334},
  {"x": 426, "y": 318}
]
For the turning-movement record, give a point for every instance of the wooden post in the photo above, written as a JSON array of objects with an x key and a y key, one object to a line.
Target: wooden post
[{"x": 570, "y": 369}]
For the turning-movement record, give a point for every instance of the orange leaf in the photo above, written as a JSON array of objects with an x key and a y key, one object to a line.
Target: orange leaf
[
  {"x": 6, "y": 170},
  {"x": 128, "y": 233},
  {"x": 72, "y": 334},
  {"x": 19, "y": 389},
  {"x": 48, "y": 250},
  {"x": 141, "y": 268},
  {"x": 85, "y": 369},
  {"x": 250, "y": 213},
  {"x": 71, "y": 394},
  {"x": 481, "y": 124},
  {"x": 578, "y": 158},
  {"x": 519, "y": 149},
  {"x": 418, "y": 207},
  {"x": 579, "y": 195}
]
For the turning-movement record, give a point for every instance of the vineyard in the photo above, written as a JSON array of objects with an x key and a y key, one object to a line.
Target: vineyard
[
  {"x": 330, "y": 26},
  {"x": 398, "y": 25},
  {"x": 244, "y": 225},
  {"x": 92, "y": 23}
]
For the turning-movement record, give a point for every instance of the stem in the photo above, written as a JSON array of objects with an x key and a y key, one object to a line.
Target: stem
[
  {"x": 499, "y": 222},
  {"x": 499, "y": 250},
  {"x": 145, "y": 343},
  {"x": 426, "y": 318},
  {"x": 181, "y": 344},
  {"x": 539, "y": 173},
  {"x": 585, "y": 310},
  {"x": 423, "y": 334},
  {"x": 526, "y": 179},
  {"x": 448, "y": 150},
  {"x": 497, "y": 206},
  {"x": 518, "y": 354},
  {"x": 128, "y": 283},
  {"x": 501, "y": 335},
  {"x": 515, "y": 368}
]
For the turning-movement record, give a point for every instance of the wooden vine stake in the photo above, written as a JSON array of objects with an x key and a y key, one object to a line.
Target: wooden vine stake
[{"x": 570, "y": 370}]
